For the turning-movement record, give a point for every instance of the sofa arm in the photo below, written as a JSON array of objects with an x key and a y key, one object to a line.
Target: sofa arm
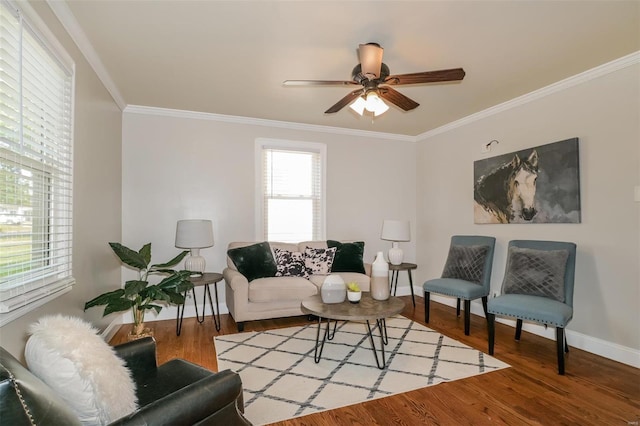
[
  {"x": 216, "y": 399},
  {"x": 236, "y": 280},
  {"x": 139, "y": 355}
]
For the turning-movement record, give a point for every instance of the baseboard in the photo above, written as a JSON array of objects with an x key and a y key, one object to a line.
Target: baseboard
[
  {"x": 171, "y": 313},
  {"x": 600, "y": 347},
  {"x": 111, "y": 330}
]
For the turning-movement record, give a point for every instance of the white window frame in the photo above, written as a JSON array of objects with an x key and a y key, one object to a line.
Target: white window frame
[
  {"x": 18, "y": 301},
  {"x": 266, "y": 143}
]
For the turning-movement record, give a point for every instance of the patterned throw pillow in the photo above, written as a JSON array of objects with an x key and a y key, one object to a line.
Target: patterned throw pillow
[
  {"x": 318, "y": 261},
  {"x": 290, "y": 264},
  {"x": 466, "y": 263},
  {"x": 536, "y": 272}
]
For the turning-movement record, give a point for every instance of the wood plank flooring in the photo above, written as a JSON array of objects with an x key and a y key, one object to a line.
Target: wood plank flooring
[{"x": 594, "y": 391}]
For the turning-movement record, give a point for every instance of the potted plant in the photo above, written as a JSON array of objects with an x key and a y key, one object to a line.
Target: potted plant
[
  {"x": 138, "y": 295},
  {"x": 354, "y": 294}
]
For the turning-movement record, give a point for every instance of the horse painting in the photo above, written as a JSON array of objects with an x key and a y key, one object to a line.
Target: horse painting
[{"x": 507, "y": 193}]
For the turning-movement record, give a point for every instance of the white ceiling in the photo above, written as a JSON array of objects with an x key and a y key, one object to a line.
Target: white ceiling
[{"x": 231, "y": 57}]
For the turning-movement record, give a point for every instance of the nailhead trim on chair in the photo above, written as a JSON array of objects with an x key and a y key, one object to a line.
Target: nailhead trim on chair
[
  {"x": 527, "y": 319},
  {"x": 16, "y": 388},
  {"x": 455, "y": 295}
]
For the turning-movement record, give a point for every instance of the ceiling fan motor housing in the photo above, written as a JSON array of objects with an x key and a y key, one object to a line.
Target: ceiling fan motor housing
[{"x": 357, "y": 75}]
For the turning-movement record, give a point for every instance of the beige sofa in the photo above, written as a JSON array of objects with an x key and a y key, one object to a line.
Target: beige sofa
[{"x": 276, "y": 297}]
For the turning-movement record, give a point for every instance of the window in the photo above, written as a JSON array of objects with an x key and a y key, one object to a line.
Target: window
[
  {"x": 291, "y": 182},
  {"x": 36, "y": 82}
]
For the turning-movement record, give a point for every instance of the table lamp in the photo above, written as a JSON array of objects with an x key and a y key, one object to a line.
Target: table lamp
[
  {"x": 194, "y": 235},
  {"x": 395, "y": 230}
]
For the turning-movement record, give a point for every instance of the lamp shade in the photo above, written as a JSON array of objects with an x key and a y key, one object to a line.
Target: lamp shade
[
  {"x": 194, "y": 234},
  {"x": 396, "y": 230}
]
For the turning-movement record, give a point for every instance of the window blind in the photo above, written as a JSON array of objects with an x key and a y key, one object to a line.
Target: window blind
[
  {"x": 35, "y": 164},
  {"x": 292, "y": 194}
]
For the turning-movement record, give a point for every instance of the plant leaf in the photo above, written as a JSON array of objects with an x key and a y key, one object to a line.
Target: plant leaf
[
  {"x": 131, "y": 288},
  {"x": 105, "y": 298},
  {"x": 184, "y": 286},
  {"x": 156, "y": 307},
  {"x": 172, "y": 262},
  {"x": 128, "y": 256},
  {"x": 117, "y": 305},
  {"x": 150, "y": 306},
  {"x": 145, "y": 252},
  {"x": 161, "y": 295},
  {"x": 176, "y": 298},
  {"x": 171, "y": 282}
]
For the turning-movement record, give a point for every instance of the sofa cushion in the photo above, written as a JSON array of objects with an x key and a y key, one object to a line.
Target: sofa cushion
[
  {"x": 319, "y": 260},
  {"x": 290, "y": 263},
  {"x": 348, "y": 256},
  {"x": 254, "y": 261},
  {"x": 466, "y": 263},
  {"x": 535, "y": 272},
  {"x": 280, "y": 289},
  {"x": 68, "y": 355}
]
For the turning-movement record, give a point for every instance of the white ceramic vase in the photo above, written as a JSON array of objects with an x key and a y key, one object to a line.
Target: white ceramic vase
[
  {"x": 333, "y": 289},
  {"x": 380, "y": 278}
]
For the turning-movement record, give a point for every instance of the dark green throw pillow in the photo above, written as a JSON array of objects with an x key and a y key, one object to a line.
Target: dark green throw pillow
[
  {"x": 348, "y": 256},
  {"x": 254, "y": 261}
]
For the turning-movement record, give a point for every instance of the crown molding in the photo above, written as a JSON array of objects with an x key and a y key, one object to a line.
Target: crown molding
[
  {"x": 69, "y": 22},
  {"x": 234, "y": 119},
  {"x": 583, "y": 77}
]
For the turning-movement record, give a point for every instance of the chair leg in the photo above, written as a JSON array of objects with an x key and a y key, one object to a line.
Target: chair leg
[
  {"x": 458, "y": 307},
  {"x": 484, "y": 306},
  {"x": 560, "y": 343},
  {"x": 240, "y": 327},
  {"x": 427, "y": 297},
  {"x": 467, "y": 316},
  {"x": 491, "y": 325},
  {"x": 518, "y": 329}
]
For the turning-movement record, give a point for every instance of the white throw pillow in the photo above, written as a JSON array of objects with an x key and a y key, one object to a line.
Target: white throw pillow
[{"x": 68, "y": 355}]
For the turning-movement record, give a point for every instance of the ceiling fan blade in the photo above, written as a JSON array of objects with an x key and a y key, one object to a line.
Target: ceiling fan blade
[
  {"x": 426, "y": 77},
  {"x": 397, "y": 98},
  {"x": 344, "y": 101},
  {"x": 370, "y": 59},
  {"x": 318, "y": 83}
]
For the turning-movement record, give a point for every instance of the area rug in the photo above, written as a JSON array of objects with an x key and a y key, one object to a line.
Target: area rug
[{"x": 282, "y": 381}]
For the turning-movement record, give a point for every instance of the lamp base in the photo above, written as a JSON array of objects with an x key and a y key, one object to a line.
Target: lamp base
[
  {"x": 395, "y": 254},
  {"x": 195, "y": 263}
]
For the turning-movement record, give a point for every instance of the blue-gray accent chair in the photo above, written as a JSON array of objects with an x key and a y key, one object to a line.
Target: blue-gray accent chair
[
  {"x": 538, "y": 309},
  {"x": 461, "y": 289}
]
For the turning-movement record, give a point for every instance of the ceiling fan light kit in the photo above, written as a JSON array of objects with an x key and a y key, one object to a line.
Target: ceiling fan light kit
[
  {"x": 374, "y": 77},
  {"x": 371, "y": 102}
]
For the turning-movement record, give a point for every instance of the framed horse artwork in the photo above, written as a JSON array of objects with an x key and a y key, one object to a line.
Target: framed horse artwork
[{"x": 535, "y": 185}]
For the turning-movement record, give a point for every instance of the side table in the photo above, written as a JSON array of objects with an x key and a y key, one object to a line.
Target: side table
[
  {"x": 395, "y": 270},
  {"x": 204, "y": 280}
]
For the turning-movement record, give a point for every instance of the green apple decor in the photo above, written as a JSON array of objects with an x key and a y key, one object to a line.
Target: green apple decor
[{"x": 138, "y": 295}]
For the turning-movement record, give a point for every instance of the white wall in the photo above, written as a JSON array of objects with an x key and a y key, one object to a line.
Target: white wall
[
  {"x": 96, "y": 196},
  {"x": 176, "y": 167},
  {"x": 605, "y": 114}
]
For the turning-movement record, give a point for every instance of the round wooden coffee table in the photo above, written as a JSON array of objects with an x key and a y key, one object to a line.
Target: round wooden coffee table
[{"x": 367, "y": 310}]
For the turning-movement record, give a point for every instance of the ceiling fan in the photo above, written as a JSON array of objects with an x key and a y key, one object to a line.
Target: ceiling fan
[{"x": 374, "y": 77}]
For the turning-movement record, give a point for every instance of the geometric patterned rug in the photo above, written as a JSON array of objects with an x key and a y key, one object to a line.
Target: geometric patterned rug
[{"x": 282, "y": 381}]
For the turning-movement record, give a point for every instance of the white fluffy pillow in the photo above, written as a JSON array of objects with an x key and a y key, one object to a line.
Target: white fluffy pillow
[{"x": 68, "y": 355}]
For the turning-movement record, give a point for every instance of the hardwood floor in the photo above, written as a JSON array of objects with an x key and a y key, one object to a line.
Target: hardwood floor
[{"x": 594, "y": 391}]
